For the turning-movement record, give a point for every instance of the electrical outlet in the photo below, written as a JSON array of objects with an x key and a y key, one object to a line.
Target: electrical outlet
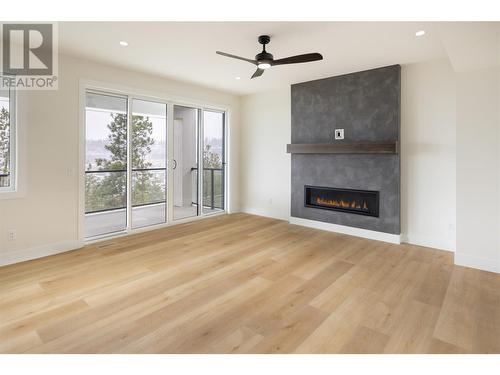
[
  {"x": 339, "y": 133},
  {"x": 12, "y": 235}
]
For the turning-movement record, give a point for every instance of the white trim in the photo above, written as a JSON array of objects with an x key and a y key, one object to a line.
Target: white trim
[
  {"x": 225, "y": 165},
  {"x": 129, "y": 166},
  {"x": 351, "y": 231},
  {"x": 485, "y": 264},
  {"x": 200, "y": 123},
  {"x": 16, "y": 189},
  {"x": 170, "y": 156},
  {"x": 263, "y": 212},
  {"x": 81, "y": 161},
  {"x": 17, "y": 256},
  {"x": 434, "y": 243}
]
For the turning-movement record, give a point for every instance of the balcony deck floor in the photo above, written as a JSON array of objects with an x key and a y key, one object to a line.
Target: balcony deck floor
[{"x": 115, "y": 221}]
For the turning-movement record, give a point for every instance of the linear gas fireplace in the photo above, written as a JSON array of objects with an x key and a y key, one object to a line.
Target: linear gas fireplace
[{"x": 362, "y": 202}]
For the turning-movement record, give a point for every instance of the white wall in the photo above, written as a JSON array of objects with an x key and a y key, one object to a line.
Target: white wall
[
  {"x": 428, "y": 154},
  {"x": 428, "y": 158},
  {"x": 265, "y": 165},
  {"x": 46, "y": 217},
  {"x": 478, "y": 169}
]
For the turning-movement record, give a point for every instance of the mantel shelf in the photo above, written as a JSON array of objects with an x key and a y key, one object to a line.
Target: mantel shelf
[{"x": 360, "y": 147}]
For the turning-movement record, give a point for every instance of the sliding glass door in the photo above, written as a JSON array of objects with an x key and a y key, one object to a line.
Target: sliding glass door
[
  {"x": 149, "y": 163},
  {"x": 131, "y": 167},
  {"x": 105, "y": 164},
  {"x": 185, "y": 162},
  {"x": 213, "y": 161}
]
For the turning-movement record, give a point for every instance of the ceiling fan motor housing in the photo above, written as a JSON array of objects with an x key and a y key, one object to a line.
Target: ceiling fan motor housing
[{"x": 264, "y": 57}]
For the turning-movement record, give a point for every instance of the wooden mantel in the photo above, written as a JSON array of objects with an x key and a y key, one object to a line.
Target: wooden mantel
[{"x": 361, "y": 147}]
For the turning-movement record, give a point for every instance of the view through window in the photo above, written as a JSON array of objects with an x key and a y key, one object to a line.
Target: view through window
[
  {"x": 149, "y": 161},
  {"x": 213, "y": 159},
  {"x": 106, "y": 164},
  {"x": 7, "y": 151}
]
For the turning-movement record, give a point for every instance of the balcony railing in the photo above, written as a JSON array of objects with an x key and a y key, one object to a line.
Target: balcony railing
[
  {"x": 117, "y": 200},
  {"x": 213, "y": 188}
]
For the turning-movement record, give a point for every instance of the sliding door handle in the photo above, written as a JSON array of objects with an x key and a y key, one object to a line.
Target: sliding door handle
[{"x": 174, "y": 164}]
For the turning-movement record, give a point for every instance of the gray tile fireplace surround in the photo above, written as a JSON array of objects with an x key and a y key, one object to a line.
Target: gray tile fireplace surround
[{"x": 367, "y": 106}]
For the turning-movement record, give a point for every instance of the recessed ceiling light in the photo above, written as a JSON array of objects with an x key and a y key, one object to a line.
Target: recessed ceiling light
[
  {"x": 420, "y": 33},
  {"x": 237, "y": 77},
  {"x": 123, "y": 43}
]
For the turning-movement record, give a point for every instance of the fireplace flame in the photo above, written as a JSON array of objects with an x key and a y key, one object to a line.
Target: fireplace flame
[{"x": 342, "y": 204}]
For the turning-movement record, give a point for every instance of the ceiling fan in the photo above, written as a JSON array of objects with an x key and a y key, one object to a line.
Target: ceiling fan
[{"x": 265, "y": 60}]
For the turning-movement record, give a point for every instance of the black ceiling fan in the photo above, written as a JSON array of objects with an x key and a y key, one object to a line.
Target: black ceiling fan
[{"x": 265, "y": 60}]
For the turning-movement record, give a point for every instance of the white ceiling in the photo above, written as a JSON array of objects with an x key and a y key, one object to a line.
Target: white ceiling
[{"x": 186, "y": 51}]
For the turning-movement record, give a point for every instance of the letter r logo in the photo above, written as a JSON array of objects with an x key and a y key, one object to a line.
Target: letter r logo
[{"x": 27, "y": 49}]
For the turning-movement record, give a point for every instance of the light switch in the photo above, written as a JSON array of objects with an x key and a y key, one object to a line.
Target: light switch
[{"x": 339, "y": 133}]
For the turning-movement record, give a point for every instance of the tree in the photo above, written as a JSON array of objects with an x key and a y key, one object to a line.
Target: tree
[
  {"x": 4, "y": 140},
  {"x": 211, "y": 159},
  {"x": 147, "y": 186},
  {"x": 108, "y": 191},
  {"x": 117, "y": 144},
  {"x": 4, "y": 145}
]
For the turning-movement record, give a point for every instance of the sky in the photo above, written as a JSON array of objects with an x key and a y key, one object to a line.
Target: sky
[
  {"x": 98, "y": 119},
  {"x": 4, "y": 103}
]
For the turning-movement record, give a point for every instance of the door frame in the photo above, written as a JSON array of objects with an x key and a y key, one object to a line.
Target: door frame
[{"x": 170, "y": 100}]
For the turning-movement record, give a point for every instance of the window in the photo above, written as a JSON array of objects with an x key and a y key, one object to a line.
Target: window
[{"x": 7, "y": 140}]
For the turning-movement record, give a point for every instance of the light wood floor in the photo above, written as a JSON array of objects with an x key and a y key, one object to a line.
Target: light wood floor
[{"x": 247, "y": 284}]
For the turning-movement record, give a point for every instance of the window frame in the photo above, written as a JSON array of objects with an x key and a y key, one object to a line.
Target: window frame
[{"x": 13, "y": 145}]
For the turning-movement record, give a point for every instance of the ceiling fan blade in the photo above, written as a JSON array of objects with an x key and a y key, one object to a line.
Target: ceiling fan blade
[
  {"x": 236, "y": 57},
  {"x": 308, "y": 57},
  {"x": 258, "y": 73}
]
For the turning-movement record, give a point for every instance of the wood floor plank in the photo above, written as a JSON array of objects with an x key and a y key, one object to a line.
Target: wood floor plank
[
  {"x": 414, "y": 333},
  {"x": 241, "y": 341},
  {"x": 241, "y": 283},
  {"x": 365, "y": 341}
]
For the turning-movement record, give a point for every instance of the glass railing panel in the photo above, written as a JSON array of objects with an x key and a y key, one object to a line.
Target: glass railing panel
[
  {"x": 148, "y": 197},
  {"x": 105, "y": 202},
  {"x": 213, "y": 189}
]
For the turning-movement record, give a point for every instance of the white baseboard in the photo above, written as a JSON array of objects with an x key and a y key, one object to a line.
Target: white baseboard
[
  {"x": 433, "y": 243},
  {"x": 485, "y": 264},
  {"x": 23, "y": 255},
  {"x": 263, "y": 212},
  {"x": 358, "y": 232}
]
